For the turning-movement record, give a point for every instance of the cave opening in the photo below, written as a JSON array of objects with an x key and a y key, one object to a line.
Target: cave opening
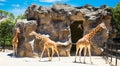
[{"x": 76, "y": 33}]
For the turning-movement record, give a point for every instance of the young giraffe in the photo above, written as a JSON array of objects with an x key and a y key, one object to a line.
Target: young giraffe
[
  {"x": 15, "y": 41},
  {"x": 48, "y": 43},
  {"x": 85, "y": 41}
]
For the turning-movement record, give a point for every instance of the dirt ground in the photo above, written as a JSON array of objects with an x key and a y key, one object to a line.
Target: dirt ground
[{"x": 7, "y": 60}]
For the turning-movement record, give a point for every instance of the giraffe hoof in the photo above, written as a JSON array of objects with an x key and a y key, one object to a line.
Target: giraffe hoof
[
  {"x": 84, "y": 62},
  {"x": 91, "y": 62},
  {"x": 49, "y": 60},
  {"x": 74, "y": 61},
  {"x": 59, "y": 59},
  {"x": 80, "y": 61}
]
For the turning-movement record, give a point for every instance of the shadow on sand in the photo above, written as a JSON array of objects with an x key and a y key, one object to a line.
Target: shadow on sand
[
  {"x": 82, "y": 63},
  {"x": 14, "y": 56}
]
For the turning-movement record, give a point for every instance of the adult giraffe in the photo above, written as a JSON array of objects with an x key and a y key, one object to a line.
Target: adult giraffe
[{"x": 85, "y": 42}]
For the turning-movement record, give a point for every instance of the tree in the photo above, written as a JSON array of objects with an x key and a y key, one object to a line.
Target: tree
[
  {"x": 11, "y": 16},
  {"x": 116, "y": 16},
  {"x": 6, "y": 27},
  {"x": 6, "y": 34},
  {"x": 6, "y": 14}
]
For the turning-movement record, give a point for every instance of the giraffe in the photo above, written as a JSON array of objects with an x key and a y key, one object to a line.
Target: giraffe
[
  {"x": 15, "y": 41},
  {"x": 48, "y": 43},
  {"x": 85, "y": 42}
]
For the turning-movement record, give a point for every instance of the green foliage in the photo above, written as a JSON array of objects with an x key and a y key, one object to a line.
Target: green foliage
[
  {"x": 20, "y": 17},
  {"x": 6, "y": 14},
  {"x": 6, "y": 34},
  {"x": 11, "y": 16},
  {"x": 116, "y": 16},
  {"x": 6, "y": 27}
]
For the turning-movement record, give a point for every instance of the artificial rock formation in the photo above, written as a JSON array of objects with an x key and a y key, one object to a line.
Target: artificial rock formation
[
  {"x": 25, "y": 45},
  {"x": 54, "y": 21}
]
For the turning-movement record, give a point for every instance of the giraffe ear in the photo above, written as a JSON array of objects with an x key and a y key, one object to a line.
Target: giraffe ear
[{"x": 103, "y": 25}]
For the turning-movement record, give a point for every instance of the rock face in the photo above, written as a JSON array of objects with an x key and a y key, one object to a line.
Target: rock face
[
  {"x": 55, "y": 21},
  {"x": 26, "y": 42}
]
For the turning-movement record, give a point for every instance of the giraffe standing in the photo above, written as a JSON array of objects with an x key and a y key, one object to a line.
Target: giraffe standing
[
  {"x": 15, "y": 41},
  {"x": 85, "y": 41},
  {"x": 48, "y": 43}
]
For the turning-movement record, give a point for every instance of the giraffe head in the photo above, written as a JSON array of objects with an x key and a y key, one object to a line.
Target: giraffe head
[
  {"x": 34, "y": 33},
  {"x": 17, "y": 30},
  {"x": 38, "y": 36}
]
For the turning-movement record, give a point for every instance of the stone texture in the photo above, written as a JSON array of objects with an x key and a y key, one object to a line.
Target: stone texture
[{"x": 55, "y": 20}]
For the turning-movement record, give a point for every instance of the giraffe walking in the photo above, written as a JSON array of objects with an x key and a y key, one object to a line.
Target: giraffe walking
[
  {"x": 15, "y": 41},
  {"x": 48, "y": 43},
  {"x": 85, "y": 42}
]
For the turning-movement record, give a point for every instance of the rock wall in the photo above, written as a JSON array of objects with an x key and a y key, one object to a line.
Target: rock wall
[{"x": 55, "y": 20}]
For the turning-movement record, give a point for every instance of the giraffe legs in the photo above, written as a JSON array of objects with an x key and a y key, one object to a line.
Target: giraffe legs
[
  {"x": 14, "y": 50},
  {"x": 77, "y": 48},
  {"x": 89, "y": 51},
  {"x": 53, "y": 49},
  {"x": 42, "y": 53},
  {"x": 84, "y": 54},
  {"x": 80, "y": 53},
  {"x": 68, "y": 53},
  {"x": 85, "y": 51},
  {"x": 48, "y": 54},
  {"x": 52, "y": 53},
  {"x": 57, "y": 53}
]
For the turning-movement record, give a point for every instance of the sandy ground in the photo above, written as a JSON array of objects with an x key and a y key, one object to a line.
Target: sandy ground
[{"x": 6, "y": 60}]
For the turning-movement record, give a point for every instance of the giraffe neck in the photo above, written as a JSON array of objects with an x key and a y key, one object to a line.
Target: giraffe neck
[
  {"x": 16, "y": 34},
  {"x": 93, "y": 32}
]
